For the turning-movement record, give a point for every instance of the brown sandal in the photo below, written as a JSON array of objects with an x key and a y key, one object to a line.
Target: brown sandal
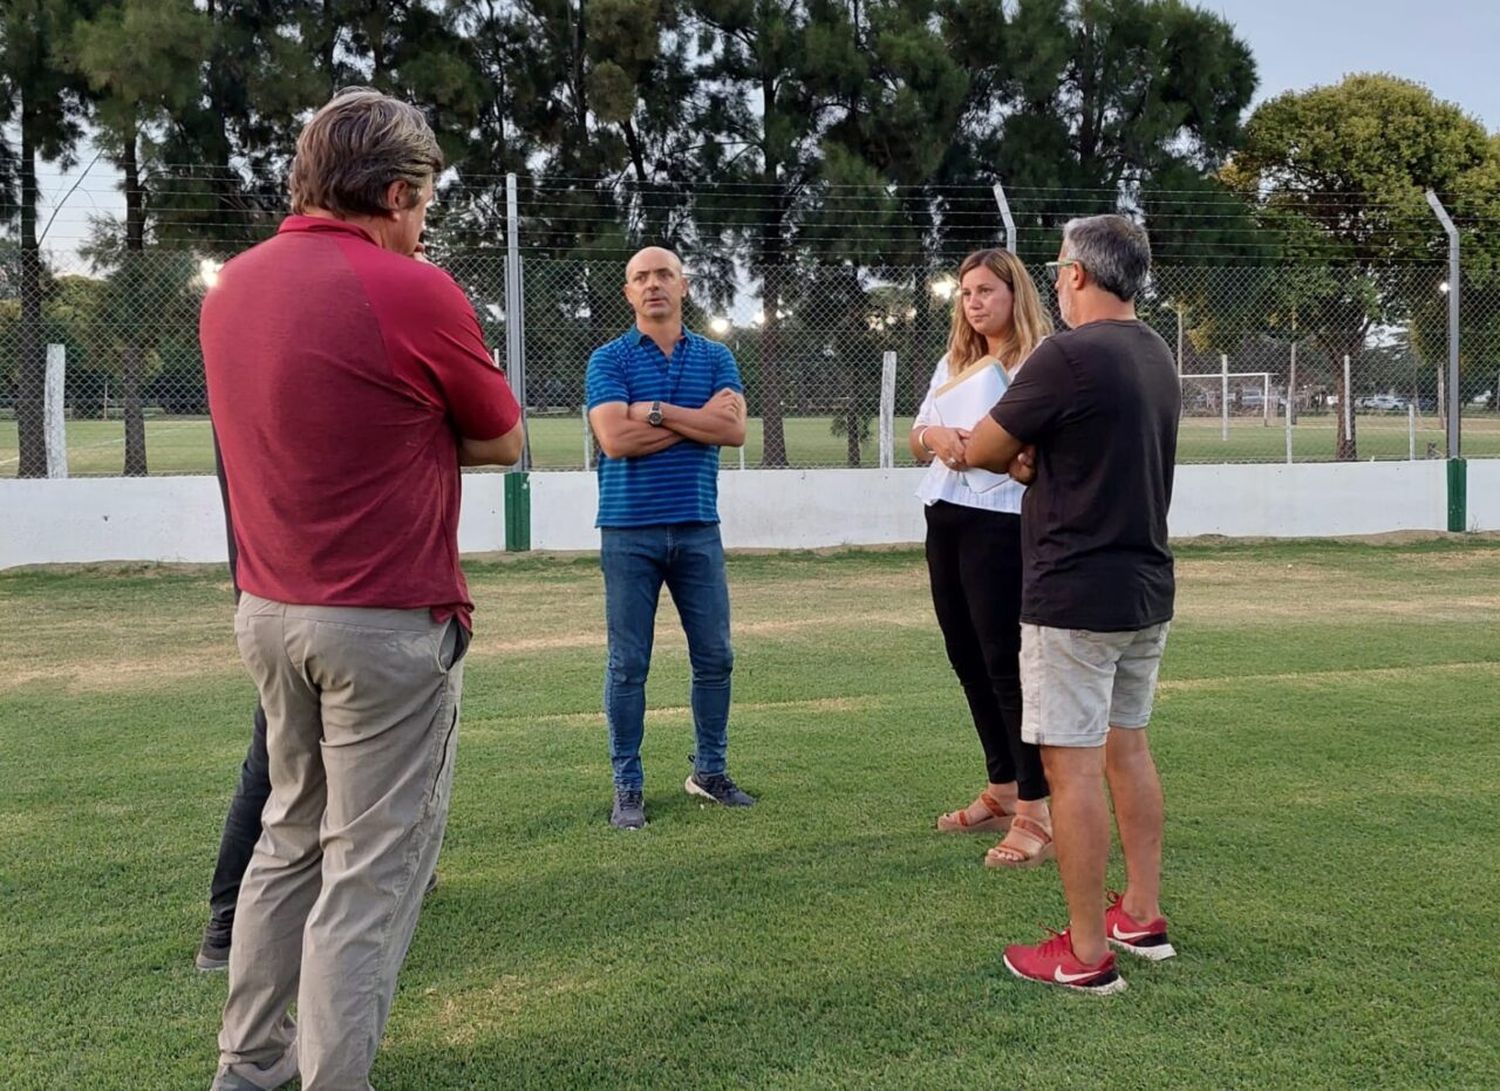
[
  {"x": 997, "y": 821},
  {"x": 1035, "y": 845}
]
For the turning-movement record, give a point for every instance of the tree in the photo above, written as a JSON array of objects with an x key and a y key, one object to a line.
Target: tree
[
  {"x": 784, "y": 73},
  {"x": 1339, "y": 174},
  {"x": 220, "y": 165},
  {"x": 142, "y": 58},
  {"x": 46, "y": 101},
  {"x": 1100, "y": 98}
]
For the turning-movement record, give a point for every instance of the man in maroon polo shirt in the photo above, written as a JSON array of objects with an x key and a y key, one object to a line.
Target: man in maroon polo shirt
[{"x": 347, "y": 383}]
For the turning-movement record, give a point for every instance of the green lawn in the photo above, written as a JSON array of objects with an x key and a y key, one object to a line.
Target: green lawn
[
  {"x": 178, "y": 445},
  {"x": 1326, "y": 732}
]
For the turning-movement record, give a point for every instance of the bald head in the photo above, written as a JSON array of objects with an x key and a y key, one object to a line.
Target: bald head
[
  {"x": 655, "y": 286},
  {"x": 652, "y": 257}
]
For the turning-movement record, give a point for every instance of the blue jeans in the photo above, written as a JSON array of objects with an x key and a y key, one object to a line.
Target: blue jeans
[{"x": 689, "y": 559}]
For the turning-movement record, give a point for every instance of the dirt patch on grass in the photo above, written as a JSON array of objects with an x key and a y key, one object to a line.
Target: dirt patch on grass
[
  {"x": 464, "y": 1017},
  {"x": 82, "y": 675},
  {"x": 1325, "y": 677},
  {"x": 684, "y": 713}
]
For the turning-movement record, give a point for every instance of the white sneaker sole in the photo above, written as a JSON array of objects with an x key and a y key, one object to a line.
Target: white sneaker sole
[
  {"x": 692, "y": 788},
  {"x": 1159, "y": 953},
  {"x": 1115, "y": 986}
]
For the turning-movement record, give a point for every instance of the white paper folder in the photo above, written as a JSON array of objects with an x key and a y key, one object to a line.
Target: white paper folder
[{"x": 964, "y": 404}]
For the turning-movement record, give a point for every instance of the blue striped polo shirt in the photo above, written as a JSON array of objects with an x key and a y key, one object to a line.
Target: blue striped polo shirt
[{"x": 680, "y": 484}]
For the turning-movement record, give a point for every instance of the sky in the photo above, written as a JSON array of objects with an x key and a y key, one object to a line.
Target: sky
[{"x": 1449, "y": 45}]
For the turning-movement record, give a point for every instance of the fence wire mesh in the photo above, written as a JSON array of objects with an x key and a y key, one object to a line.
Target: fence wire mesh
[{"x": 1279, "y": 363}]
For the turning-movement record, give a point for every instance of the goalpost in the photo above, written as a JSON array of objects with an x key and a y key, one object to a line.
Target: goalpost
[{"x": 1204, "y": 383}]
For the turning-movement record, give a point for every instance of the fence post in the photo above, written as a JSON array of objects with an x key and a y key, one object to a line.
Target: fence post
[
  {"x": 55, "y": 424},
  {"x": 1411, "y": 431},
  {"x": 588, "y": 445},
  {"x": 1006, "y": 218},
  {"x": 888, "y": 410},
  {"x": 1457, "y": 471},
  {"x": 1224, "y": 396},
  {"x": 1347, "y": 405},
  {"x": 517, "y": 483},
  {"x": 1291, "y": 382},
  {"x": 1289, "y": 397},
  {"x": 1179, "y": 343}
]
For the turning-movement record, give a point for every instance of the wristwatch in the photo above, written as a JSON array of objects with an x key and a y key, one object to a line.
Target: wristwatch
[{"x": 653, "y": 418}]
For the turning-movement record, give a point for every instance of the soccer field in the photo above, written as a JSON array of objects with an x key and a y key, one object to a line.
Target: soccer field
[
  {"x": 182, "y": 445},
  {"x": 1326, "y": 732}
]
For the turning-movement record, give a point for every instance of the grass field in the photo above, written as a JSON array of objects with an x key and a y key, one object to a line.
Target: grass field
[
  {"x": 178, "y": 445},
  {"x": 1326, "y": 732}
]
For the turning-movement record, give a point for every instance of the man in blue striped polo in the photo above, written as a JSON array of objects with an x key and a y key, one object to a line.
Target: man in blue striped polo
[{"x": 662, "y": 401}]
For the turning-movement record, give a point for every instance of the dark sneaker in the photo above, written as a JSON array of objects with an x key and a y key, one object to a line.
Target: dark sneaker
[
  {"x": 718, "y": 788},
  {"x": 431, "y": 885},
  {"x": 251, "y": 1077},
  {"x": 1144, "y": 939},
  {"x": 213, "y": 952},
  {"x": 629, "y": 812}
]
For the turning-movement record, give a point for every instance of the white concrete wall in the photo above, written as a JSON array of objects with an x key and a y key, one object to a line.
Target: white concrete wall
[
  {"x": 167, "y": 519},
  {"x": 1484, "y": 494},
  {"x": 110, "y": 519},
  {"x": 178, "y": 518},
  {"x": 769, "y": 509},
  {"x": 1310, "y": 500}
]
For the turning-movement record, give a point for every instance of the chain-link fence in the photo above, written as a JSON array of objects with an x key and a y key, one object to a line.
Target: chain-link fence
[{"x": 1300, "y": 363}]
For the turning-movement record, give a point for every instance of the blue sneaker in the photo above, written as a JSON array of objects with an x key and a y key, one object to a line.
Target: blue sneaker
[{"x": 629, "y": 811}]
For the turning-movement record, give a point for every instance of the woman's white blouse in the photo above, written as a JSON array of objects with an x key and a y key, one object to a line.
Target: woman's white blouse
[{"x": 941, "y": 483}]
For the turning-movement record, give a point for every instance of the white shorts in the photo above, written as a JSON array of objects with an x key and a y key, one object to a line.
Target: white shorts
[{"x": 1077, "y": 684}]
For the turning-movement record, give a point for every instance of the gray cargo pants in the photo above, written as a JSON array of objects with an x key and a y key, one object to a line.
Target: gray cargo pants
[{"x": 362, "y": 725}]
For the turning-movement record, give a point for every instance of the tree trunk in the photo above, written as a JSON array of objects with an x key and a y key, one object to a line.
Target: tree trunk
[
  {"x": 134, "y": 354},
  {"x": 773, "y": 451},
  {"x": 31, "y": 379},
  {"x": 851, "y": 433}
]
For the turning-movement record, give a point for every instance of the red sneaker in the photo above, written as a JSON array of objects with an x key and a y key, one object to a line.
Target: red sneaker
[
  {"x": 1145, "y": 939},
  {"x": 1053, "y": 963}
]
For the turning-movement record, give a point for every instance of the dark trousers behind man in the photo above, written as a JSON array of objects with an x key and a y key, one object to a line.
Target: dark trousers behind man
[{"x": 241, "y": 831}]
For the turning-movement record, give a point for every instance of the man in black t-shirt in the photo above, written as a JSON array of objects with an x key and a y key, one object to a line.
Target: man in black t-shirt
[{"x": 1090, "y": 422}]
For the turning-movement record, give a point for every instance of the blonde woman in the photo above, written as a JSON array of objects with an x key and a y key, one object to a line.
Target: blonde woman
[{"x": 974, "y": 561}]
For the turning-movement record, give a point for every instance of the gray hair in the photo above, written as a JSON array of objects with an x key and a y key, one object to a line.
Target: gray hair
[
  {"x": 355, "y": 147},
  {"x": 1114, "y": 251}
]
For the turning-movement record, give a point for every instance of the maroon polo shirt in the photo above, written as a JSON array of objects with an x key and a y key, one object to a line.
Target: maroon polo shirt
[{"x": 340, "y": 379}]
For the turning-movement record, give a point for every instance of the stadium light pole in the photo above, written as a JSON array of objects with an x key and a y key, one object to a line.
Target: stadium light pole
[
  {"x": 518, "y": 479},
  {"x": 1457, "y": 477}
]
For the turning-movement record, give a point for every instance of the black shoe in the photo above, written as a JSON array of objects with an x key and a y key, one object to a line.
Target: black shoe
[
  {"x": 718, "y": 788},
  {"x": 629, "y": 812},
  {"x": 213, "y": 952},
  {"x": 431, "y": 885}
]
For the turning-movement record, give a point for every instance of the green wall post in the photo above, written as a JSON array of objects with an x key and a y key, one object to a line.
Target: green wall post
[
  {"x": 1458, "y": 495},
  {"x": 517, "y": 511}
]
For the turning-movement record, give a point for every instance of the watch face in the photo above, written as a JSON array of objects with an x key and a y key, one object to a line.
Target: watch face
[{"x": 654, "y": 417}]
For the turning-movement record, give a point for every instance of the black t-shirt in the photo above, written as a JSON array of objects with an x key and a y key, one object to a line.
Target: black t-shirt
[{"x": 1101, "y": 403}]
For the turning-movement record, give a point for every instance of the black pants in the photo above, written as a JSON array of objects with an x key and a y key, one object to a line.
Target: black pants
[
  {"x": 241, "y": 832},
  {"x": 974, "y": 561}
]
